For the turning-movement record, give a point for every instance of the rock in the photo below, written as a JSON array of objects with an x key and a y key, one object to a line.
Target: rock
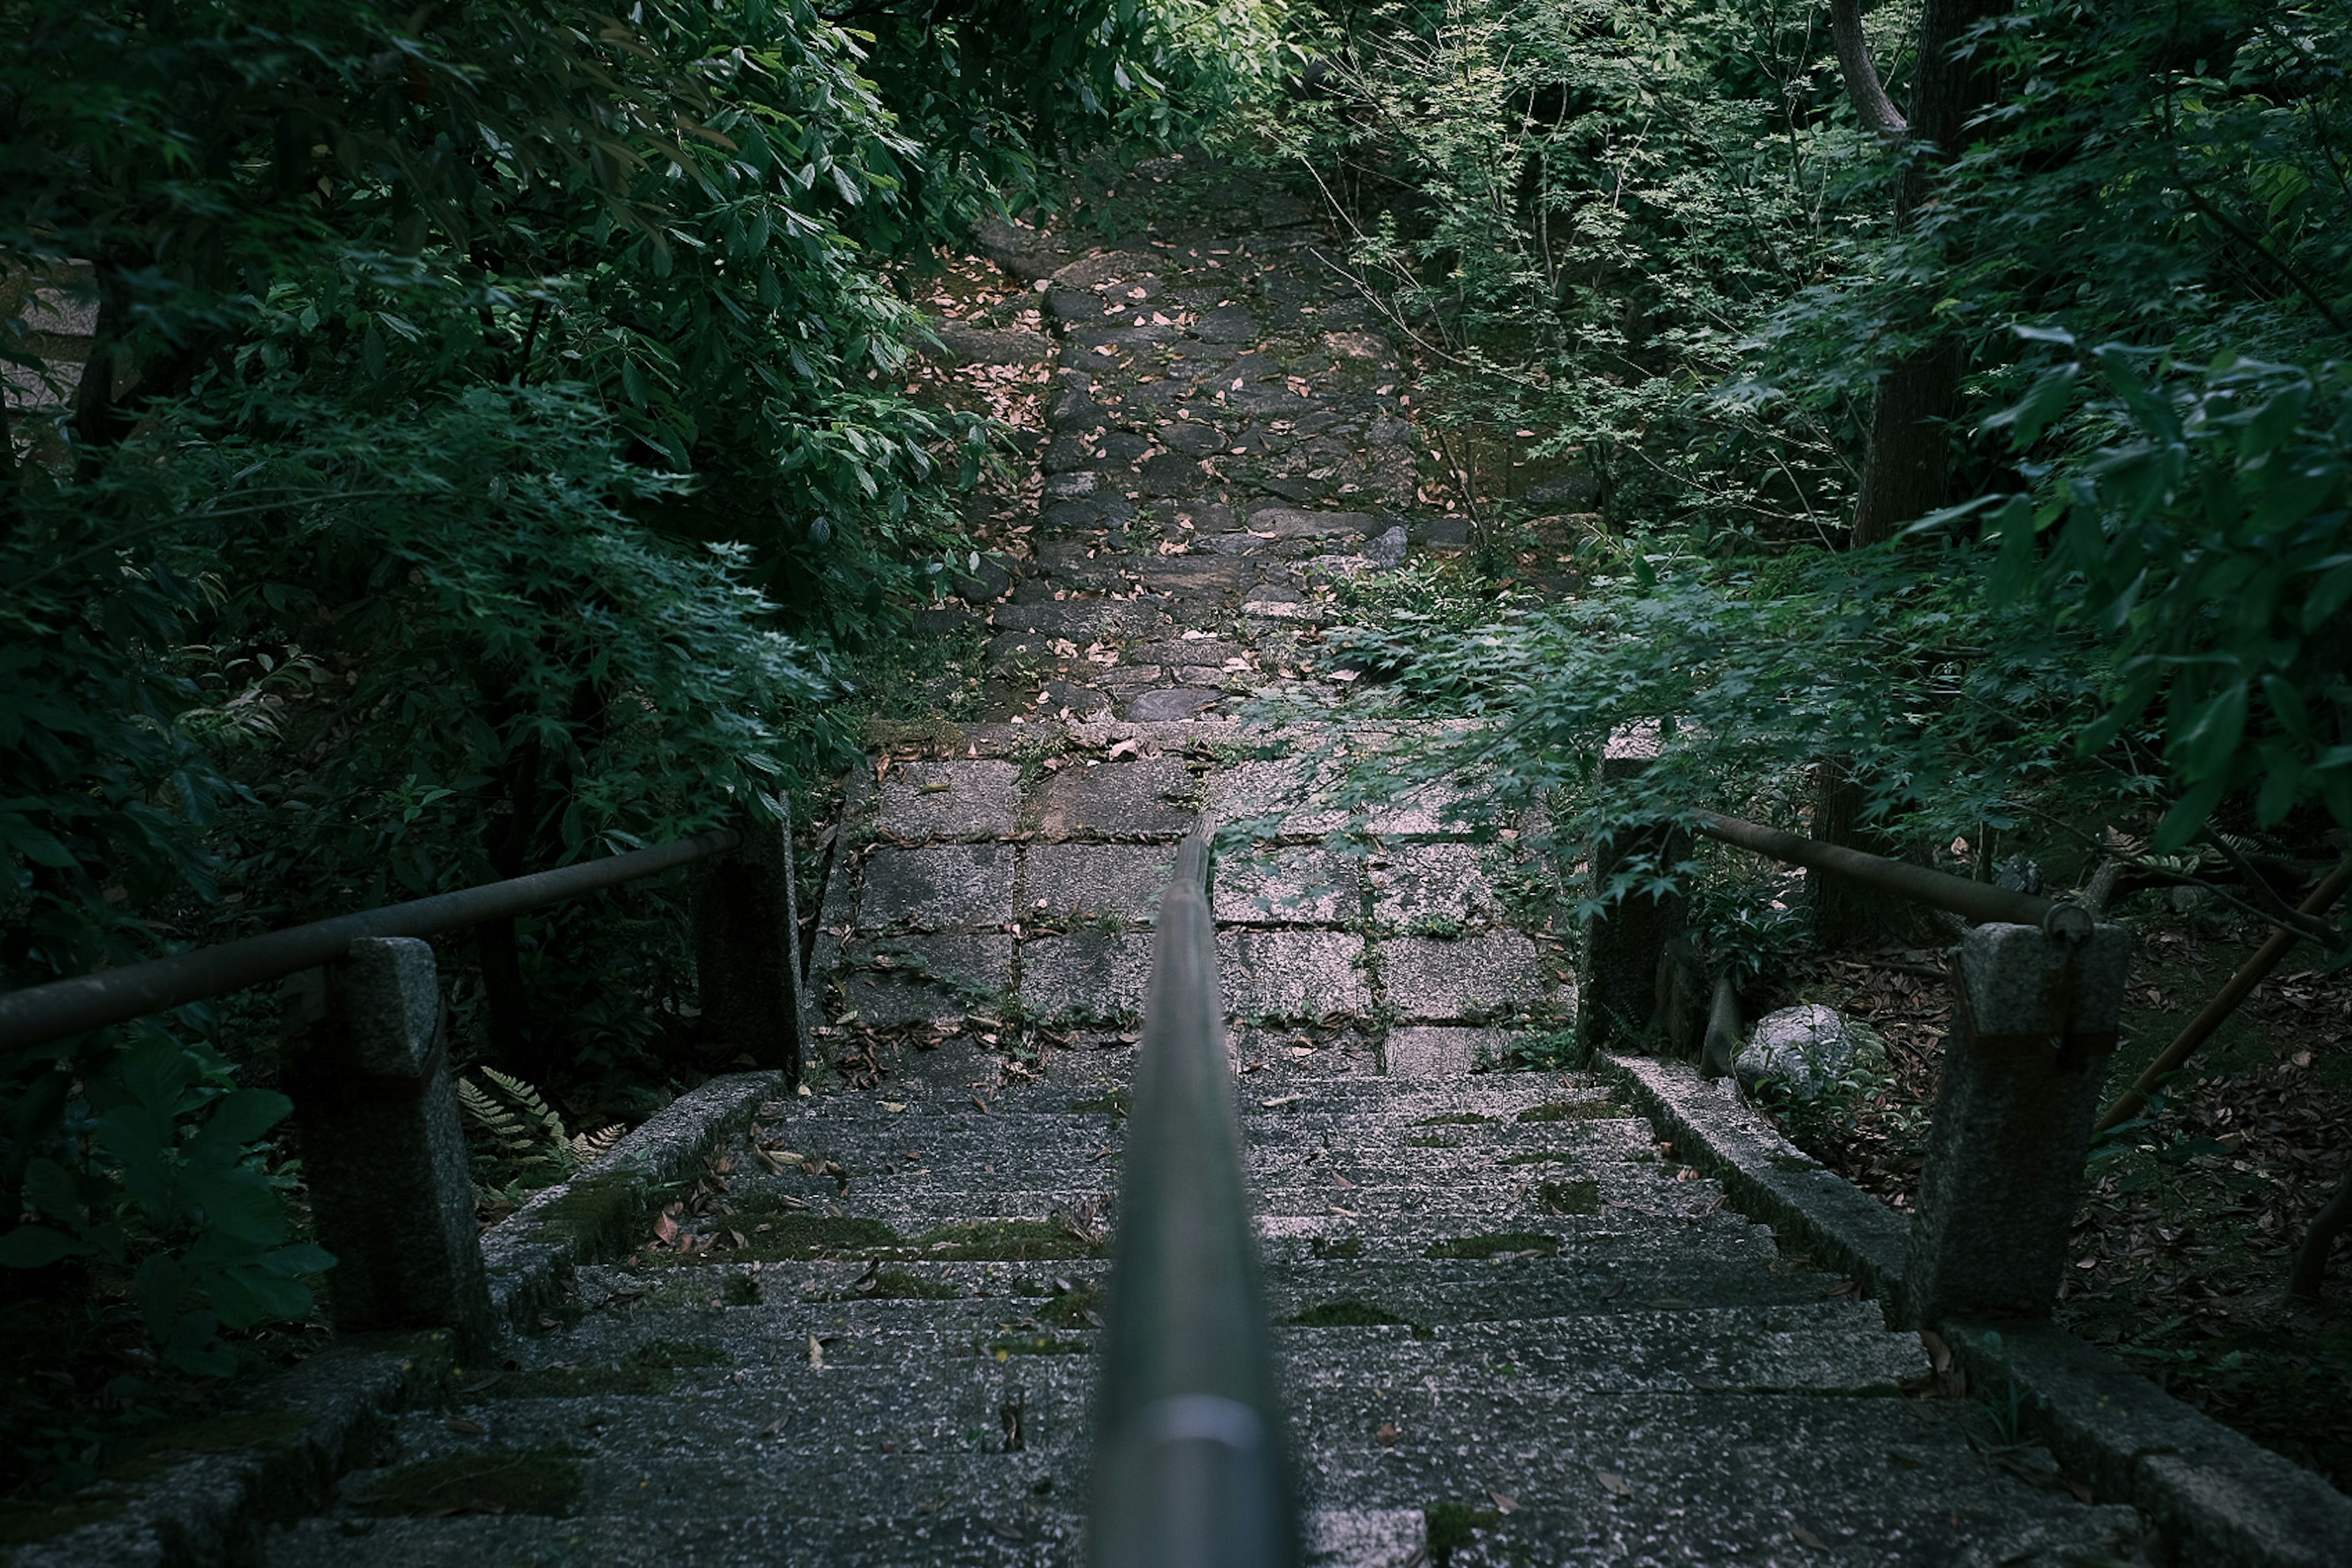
[
  {"x": 1570, "y": 489},
  {"x": 1807, "y": 1047},
  {"x": 1019, "y": 249},
  {"x": 990, "y": 346},
  {"x": 984, "y": 585},
  {"x": 1170, "y": 703},
  {"x": 1291, "y": 522},
  {"x": 1389, "y": 549}
]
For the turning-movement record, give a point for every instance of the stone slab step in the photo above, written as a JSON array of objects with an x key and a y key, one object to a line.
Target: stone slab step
[
  {"x": 950, "y": 1538},
  {"x": 1724, "y": 1266}
]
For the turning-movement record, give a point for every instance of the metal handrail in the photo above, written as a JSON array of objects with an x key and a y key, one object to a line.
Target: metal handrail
[
  {"x": 1192, "y": 1460},
  {"x": 40, "y": 1014},
  {"x": 1978, "y": 901}
]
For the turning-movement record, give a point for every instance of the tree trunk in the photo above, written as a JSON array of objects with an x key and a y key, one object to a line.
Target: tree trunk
[{"x": 1907, "y": 463}]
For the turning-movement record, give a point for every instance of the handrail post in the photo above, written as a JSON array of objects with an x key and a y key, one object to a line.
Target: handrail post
[
  {"x": 2034, "y": 1021},
  {"x": 1624, "y": 943},
  {"x": 747, "y": 948},
  {"x": 384, "y": 1150}
]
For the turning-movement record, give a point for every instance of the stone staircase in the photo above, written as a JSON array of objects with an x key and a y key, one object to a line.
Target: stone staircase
[
  {"x": 900, "y": 1373},
  {"x": 1512, "y": 1328}
]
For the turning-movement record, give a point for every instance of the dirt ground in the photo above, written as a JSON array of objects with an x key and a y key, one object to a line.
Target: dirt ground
[{"x": 2191, "y": 1220}]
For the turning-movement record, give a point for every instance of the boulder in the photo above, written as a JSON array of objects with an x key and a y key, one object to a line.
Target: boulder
[{"x": 1808, "y": 1049}]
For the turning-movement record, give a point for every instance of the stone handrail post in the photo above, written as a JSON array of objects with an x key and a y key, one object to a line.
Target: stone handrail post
[
  {"x": 2034, "y": 1021},
  {"x": 382, "y": 1147},
  {"x": 1624, "y": 944},
  {"x": 747, "y": 949}
]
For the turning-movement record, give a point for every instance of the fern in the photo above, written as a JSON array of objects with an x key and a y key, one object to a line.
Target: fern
[
  {"x": 587, "y": 1148},
  {"x": 525, "y": 1131},
  {"x": 506, "y": 1131}
]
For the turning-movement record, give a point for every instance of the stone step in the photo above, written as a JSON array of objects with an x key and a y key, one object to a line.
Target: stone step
[
  {"x": 1839, "y": 1346},
  {"x": 1406, "y": 1142},
  {"x": 1703, "y": 1477},
  {"x": 953, "y": 1537},
  {"x": 1738, "y": 1472},
  {"x": 1606, "y": 1270}
]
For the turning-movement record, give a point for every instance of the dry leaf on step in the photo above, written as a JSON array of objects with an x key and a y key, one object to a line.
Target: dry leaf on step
[{"x": 1615, "y": 1483}]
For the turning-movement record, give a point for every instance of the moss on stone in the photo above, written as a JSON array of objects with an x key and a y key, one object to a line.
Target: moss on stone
[
  {"x": 1074, "y": 1309},
  {"x": 1490, "y": 1242},
  {"x": 603, "y": 1206},
  {"x": 1576, "y": 1111},
  {"x": 1348, "y": 1314},
  {"x": 1454, "y": 1118},
  {"x": 1006, "y": 1345},
  {"x": 1453, "y": 1526},
  {"x": 1582, "y": 1195},
  {"x": 1337, "y": 1247},
  {"x": 493, "y": 1480},
  {"x": 1005, "y": 1241},
  {"x": 905, "y": 1284},
  {"x": 797, "y": 1237}
]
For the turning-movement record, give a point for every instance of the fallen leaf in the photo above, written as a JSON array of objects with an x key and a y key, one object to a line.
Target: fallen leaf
[
  {"x": 467, "y": 1428},
  {"x": 1806, "y": 1537},
  {"x": 1504, "y": 1502},
  {"x": 1615, "y": 1483},
  {"x": 894, "y": 1105},
  {"x": 1282, "y": 1099},
  {"x": 665, "y": 1228},
  {"x": 1387, "y": 1435},
  {"x": 816, "y": 1350}
]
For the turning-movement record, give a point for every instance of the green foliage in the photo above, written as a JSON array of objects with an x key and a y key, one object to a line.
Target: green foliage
[
  {"x": 1654, "y": 238},
  {"x": 2209, "y": 537},
  {"x": 493, "y": 453},
  {"x": 529, "y": 1144},
  {"x": 158, "y": 1171}
]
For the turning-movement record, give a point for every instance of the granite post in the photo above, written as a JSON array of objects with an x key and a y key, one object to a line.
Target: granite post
[
  {"x": 747, "y": 949},
  {"x": 383, "y": 1149},
  {"x": 2034, "y": 1018},
  {"x": 1624, "y": 944}
]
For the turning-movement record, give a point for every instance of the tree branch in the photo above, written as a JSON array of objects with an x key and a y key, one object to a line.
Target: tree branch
[{"x": 1861, "y": 84}]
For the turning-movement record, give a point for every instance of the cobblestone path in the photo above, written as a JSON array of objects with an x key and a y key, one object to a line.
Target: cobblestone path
[{"x": 1513, "y": 1327}]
